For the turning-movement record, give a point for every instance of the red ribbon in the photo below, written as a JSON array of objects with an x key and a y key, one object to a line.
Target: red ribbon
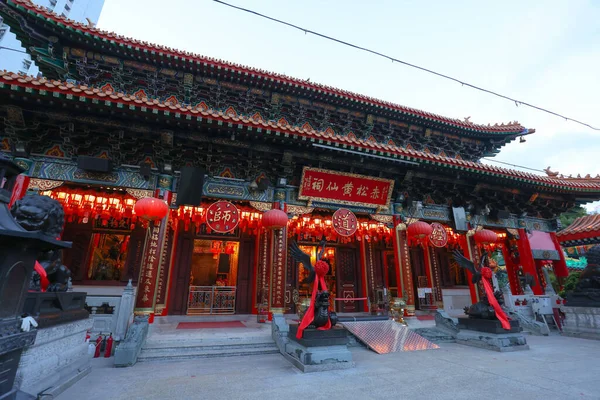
[
  {"x": 489, "y": 291},
  {"x": 44, "y": 282},
  {"x": 321, "y": 269}
]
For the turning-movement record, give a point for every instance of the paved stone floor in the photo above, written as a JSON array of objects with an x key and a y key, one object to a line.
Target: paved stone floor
[{"x": 555, "y": 368}]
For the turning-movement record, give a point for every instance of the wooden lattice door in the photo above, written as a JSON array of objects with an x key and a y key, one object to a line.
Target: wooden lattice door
[{"x": 347, "y": 281}]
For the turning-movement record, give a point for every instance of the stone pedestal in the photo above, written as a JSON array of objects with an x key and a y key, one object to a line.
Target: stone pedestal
[
  {"x": 502, "y": 342},
  {"x": 488, "y": 325},
  {"x": 582, "y": 322},
  {"x": 319, "y": 350},
  {"x": 128, "y": 350},
  {"x": 489, "y": 334},
  {"x": 57, "y": 359}
]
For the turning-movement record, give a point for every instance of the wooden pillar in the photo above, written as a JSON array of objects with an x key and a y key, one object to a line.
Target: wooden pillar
[
  {"x": 560, "y": 266},
  {"x": 527, "y": 261},
  {"x": 464, "y": 240},
  {"x": 407, "y": 278},
  {"x": 364, "y": 274},
  {"x": 511, "y": 270},
  {"x": 150, "y": 273},
  {"x": 398, "y": 256},
  {"x": 436, "y": 276},
  {"x": 278, "y": 238}
]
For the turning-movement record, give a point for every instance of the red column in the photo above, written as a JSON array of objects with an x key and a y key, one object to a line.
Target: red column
[
  {"x": 398, "y": 255},
  {"x": 527, "y": 261},
  {"x": 428, "y": 270},
  {"x": 363, "y": 268},
  {"x": 150, "y": 270},
  {"x": 560, "y": 266},
  {"x": 278, "y": 271},
  {"x": 407, "y": 278},
  {"x": 468, "y": 253}
]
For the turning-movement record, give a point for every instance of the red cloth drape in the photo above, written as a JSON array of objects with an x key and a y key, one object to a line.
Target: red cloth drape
[
  {"x": 44, "y": 282},
  {"x": 321, "y": 269},
  {"x": 489, "y": 291}
]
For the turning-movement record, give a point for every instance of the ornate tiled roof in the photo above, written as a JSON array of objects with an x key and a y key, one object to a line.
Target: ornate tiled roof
[
  {"x": 584, "y": 229},
  {"x": 106, "y": 96},
  {"x": 510, "y": 128}
]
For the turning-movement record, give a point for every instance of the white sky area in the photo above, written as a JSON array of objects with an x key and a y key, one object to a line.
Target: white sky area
[{"x": 543, "y": 52}]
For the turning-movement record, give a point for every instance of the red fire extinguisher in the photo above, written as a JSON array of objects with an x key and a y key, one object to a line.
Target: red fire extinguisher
[
  {"x": 87, "y": 336},
  {"x": 109, "y": 344},
  {"x": 98, "y": 343}
]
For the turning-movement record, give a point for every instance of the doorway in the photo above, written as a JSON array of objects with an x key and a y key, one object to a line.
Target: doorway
[{"x": 213, "y": 277}]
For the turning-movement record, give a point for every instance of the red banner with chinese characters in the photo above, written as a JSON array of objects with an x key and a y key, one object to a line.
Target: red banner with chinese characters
[
  {"x": 222, "y": 217},
  {"x": 344, "y": 222},
  {"x": 439, "y": 236},
  {"x": 150, "y": 267},
  {"x": 344, "y": 188}
]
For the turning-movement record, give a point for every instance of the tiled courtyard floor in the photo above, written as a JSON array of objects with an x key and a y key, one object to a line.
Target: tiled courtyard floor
[{"x": 555, "y": 368}]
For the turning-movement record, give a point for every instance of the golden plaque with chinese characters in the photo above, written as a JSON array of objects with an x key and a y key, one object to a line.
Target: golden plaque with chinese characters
[
  {"x": 439, "y": 236},
  {"x": 344, "y": 222},
  {"x": 222, "y": 217}
]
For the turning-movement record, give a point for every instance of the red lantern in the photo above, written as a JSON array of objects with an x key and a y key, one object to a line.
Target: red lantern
[
  {"x": 419, "y": 230},
  {"x": 274, "y": 219},
  {"x": 485, "y": 236},
  {"x": 151, "y": 209}
]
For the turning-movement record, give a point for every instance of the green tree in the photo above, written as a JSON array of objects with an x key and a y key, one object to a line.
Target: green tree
[{"x": 568, "y": 217}]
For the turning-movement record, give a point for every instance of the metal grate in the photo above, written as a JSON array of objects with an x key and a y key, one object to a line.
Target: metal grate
[
  {"x": 388, "y": 336},
  {"x": 211, "y": 300}
]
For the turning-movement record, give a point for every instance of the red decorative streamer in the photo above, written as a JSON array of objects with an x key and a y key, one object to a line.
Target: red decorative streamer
[
  {"x": 486, "y": 273},
  {"x": 321, "y": 269}
]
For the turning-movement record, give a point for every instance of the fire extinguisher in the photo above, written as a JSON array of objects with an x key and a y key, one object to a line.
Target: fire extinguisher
[
  {"x": 109, "y": 344},
  {"x": 98, "y": 343},
  {"x": 87, "y": 336}
]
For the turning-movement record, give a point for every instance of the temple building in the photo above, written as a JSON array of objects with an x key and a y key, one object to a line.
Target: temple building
[{"x": 393, "y": 190}]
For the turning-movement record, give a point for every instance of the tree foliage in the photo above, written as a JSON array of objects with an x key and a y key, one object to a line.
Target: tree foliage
[{"x": 568, "y": 217}]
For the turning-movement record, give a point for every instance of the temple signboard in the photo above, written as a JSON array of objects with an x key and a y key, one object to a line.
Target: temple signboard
[
  {"x": 345, "y": 188},
  {"x": 439, "y": 236}
]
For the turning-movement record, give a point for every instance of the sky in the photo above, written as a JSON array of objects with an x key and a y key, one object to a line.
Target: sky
[{"x": 544, "y": 52}]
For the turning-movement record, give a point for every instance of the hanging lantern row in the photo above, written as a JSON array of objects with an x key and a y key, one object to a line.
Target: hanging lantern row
[
  {"x": 85, "y": 206},
  {"x": 315, "y": 227},
  {"x": 249, "y": 220}
]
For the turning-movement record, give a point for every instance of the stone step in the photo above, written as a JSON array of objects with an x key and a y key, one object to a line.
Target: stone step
[
  {"x": 204, "y": 346},
  {"x": 182, "y": 353}
]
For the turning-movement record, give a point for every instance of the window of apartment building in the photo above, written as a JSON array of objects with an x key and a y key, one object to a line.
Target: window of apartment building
[{"x": 25, "y": 66}]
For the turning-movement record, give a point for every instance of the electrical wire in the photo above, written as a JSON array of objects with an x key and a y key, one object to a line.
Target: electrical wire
[
  {"x": 15, "y": 50},
  {"x": 463, "y": 83},
  {"x": 513, "y": 165}
]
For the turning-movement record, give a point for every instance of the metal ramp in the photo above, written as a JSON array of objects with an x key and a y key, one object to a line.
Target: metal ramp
[{"x": 388, "y": 336}]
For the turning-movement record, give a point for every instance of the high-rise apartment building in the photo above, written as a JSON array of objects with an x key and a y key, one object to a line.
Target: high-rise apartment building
[{"x": 13, "y": 56}]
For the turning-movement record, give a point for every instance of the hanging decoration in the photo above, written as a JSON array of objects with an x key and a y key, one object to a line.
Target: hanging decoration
[
  {"x": 222, "y": 217},
  {"x": 485, "y": 237},
  {"x": 151, "y": 209},
  {"x": 419, "y": 231},
  {"x": 315, "y": 227},
  {"x": 274, "y": 219},
  {"x": 107, "y": 209},
  {"x": 438, "y": 236},
  {"x": 344, "y": 222},
  {"x": 249, "y": 221}
]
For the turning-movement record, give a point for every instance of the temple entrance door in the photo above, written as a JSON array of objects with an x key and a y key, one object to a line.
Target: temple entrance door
[
  {"x": 243, "y": 303},
  {"x": 347, "y": 282},
  {"x": 417, "y": 262},
  {"x": 178, "y": 296},
  {"x": 390, "y": 273}
]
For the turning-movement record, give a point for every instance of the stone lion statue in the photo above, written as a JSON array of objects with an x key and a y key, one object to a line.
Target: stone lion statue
[{"x": 39, "y": 213}]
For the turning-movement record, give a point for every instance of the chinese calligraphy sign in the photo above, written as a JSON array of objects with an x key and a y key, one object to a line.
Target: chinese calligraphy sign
[
  {"x": 344, "y": 222},
  {"x": 149, "y": 271},
  {"x": 439, "y": 236},
  {"x": 343, "y": 188},
  {"x": 222, "y": 217}
]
